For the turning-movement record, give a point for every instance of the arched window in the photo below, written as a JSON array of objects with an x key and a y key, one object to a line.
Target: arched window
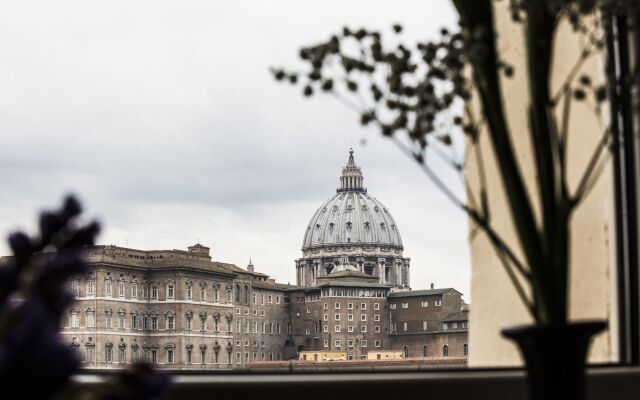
[
  {"x": 465, "y": 349},
  {"x": 237, "y": 297},
  {"x": 245, "y": 297},
  {"x": 406, "y": 351},
  {"x": 424, "y": 350},
  {"x": 445, "y": 350}
]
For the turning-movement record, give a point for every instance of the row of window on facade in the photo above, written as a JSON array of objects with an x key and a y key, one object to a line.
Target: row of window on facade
[
  {"x": 151, "y": 355},
  {"x": 149, "y": 321},
  {"x": 445, "y": 350},
  {"x": 151, "y": 291},
  {"x": 338, "y": 329},
  {"x": 445, "y": 326},
  {"x": 346, "y": 292},
  {"x": 424, "y": 304}
]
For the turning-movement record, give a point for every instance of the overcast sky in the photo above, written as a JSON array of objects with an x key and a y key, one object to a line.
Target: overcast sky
[{"x": 164, "y": 119}]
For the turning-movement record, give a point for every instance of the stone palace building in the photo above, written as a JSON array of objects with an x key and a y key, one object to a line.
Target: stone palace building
[{"x": 182, "y": 310}]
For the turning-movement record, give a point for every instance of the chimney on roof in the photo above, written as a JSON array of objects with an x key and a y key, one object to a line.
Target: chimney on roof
[{"x": 432, "y": 286}]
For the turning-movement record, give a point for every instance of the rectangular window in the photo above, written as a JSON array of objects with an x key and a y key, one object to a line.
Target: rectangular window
[
  {"x": 392, "y": 306},
  {"x": 424, "y": 325},
  {"x": 189, "y": 324},
  {"x": 349, "y": 317},
  {"x": 154, "y": 292},
  {"x": 454, "y": 325},
  {"x": 376, "y": 306},
  {"x": 121, "y": 321},
  {"x": 337, "y": 343},
  {"x": 278, "y": 299},
  {"x": 91, "y": 288},
  {"x": 134, "y": 290},
  {"x": 91, "y": 320},
  {"x": 337, "y": 306},
  {"x": 270, "y": 299},
  {"x": 90, "y": 354},
  {"x": 337, "y": 328},
  {"x": 376, "y": 317},
  {"x": 246, "y": 326},
  {"x": 134, "y": 355},
  {"x": 325, "y": 328},
  {"x": 325, "y": 317},
  {"x": 349, "y": 328},
  {"x": 170, "y": 322},
  {"x": 154, "y": 356},
  {"x": 74, "y": 320},
  {"x": 363, "y": 328},
  {"x": 107, "y": 288},
  {"x": 363, "y": 343},
  {"x": 325, "y": 306},
  {"x": 246, "y": 311},
  {"x": 75, "y": 288},
  {"x": 203, "y": 293},
  {"x": 121, "y": 289},
  {"x": 188, "y": 356},
  {"x": 145, "y": 322},
  {"x": 109, "y": 355},
  {"x": 376, "y": 343},
  {"x": 122, "y": 356},
  {"x": 404, "y": 326},
  {"x": 349, "y": 306},
  {"x": 108, "y": 321},
  {"x": 337, "y": 317},
  {"x": 405, "y": 305},
  {"x": 445, "y": 326},
  {"x": 363, "y": 317},
  {"x": 189, "y": 292},
  {"x": 145, "y": 291},
  {"x": 326, "y": 343},
  {"x": 262, "y": 299},
  {"x": 425, "y": 304},
  {"x": 438, "y": 302},
  {"x": 170, "y": 292},
  {"x": 376, "y": 329},
  {"x": 237, "y": 310},
  {"x": 363, "y": 306},
  {"x": 349, "y": 343},
  {"x": 154, "y": 323}
]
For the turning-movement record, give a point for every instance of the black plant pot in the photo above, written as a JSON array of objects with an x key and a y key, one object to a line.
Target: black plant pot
[{"x": 555, "y": 357}]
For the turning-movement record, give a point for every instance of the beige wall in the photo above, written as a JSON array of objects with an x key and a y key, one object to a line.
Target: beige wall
[{"x": 495, "y": 303}]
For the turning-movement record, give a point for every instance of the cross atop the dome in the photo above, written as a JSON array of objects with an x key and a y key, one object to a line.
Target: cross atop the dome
[{"x": 351, "y": 162}]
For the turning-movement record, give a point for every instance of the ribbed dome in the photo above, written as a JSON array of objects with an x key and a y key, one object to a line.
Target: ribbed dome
[{"x": 351, "y": 216}]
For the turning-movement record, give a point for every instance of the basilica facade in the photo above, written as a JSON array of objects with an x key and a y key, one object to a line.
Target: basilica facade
[{"x": 182, "y": 310}]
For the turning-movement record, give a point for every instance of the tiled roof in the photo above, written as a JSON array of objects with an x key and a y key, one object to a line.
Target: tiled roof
[
  {"x": 459, "y": 316},
  {"x": 417, "y": 293}
]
